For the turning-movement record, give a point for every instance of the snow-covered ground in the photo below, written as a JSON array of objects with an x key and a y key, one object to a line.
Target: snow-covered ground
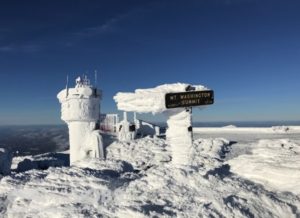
[{"x": 232, "y": 172}]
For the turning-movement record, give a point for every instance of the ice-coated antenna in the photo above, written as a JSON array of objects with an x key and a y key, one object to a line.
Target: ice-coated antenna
[
  {"x": 67, "y": 86},
  {"x": 67, "y": 82},
  {"x": 96, "y": 78}
]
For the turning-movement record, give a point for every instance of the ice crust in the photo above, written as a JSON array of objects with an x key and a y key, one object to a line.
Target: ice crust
[
  {"x": 84, "y": 141},
  {"x": 178, "y": 136},
  {"x": 138, "y": 180},
  {"x": 150, "y": 100},
  {"x": 272, "y": 163},
  {"x": 80, "y": 109},
  {"x": 79, "y": 104},
  {"x": 123, "y": 133}
]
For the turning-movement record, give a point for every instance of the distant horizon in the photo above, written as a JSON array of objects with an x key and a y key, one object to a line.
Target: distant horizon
[{"x": 247, "y": 123}]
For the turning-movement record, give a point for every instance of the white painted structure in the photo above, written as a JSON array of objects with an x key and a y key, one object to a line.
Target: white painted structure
[
  {"x": 80, "y": 109},
  {"x": 179, "y": 132}
]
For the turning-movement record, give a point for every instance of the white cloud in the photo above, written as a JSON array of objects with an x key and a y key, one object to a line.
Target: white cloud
[
  {"x": 108, "y": 26},
  {"x": 7, "y": 48},
  {"x": 25, "y": 48}
]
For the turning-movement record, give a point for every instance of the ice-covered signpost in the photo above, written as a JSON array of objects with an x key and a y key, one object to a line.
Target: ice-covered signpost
[
  {"x": 80, "y": 109},
  {"x": 176, "y": 102}
]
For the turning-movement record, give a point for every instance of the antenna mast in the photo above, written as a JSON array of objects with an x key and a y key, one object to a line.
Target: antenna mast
[
  {"x": 67, "y": 86},
  {"x": 96, "y": 82}
]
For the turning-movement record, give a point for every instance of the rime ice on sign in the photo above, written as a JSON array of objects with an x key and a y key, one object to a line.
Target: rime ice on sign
[
  {"x": 80, "y": 109},
  {"x": 179, "y": 132}
]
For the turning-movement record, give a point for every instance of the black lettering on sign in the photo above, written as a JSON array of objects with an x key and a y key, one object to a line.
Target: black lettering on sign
[{"x": 189, "y": 99}]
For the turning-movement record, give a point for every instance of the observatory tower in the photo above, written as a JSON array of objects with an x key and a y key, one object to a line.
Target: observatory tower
[{"x": 80, "y": 109}]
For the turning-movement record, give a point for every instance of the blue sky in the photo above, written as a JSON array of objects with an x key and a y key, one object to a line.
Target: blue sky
[{"x": 247, "y": 51}]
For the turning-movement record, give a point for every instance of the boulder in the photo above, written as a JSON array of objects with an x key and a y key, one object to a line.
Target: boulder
[{"x": 5, "y": 161}]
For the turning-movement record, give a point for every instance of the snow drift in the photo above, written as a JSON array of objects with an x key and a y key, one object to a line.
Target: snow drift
[
  {"x": 272, "y": 163},
  {"x": 138, "y": 180}
]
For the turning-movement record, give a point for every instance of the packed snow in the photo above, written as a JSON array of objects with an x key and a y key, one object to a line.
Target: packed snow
[
  {"x": 223, "y": 178},
  {"x": 272, "y": 163}
]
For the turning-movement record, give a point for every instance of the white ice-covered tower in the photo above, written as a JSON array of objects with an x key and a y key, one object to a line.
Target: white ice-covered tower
[{"x": 80, "y": 109}]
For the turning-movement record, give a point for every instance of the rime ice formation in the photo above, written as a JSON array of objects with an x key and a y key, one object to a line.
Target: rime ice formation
[
  {"x": 179, "y": 133},
  {"x": 144, "y": 128},
  {"x": 150, "y": 100},
  {"x": 5, "y": 161},
  {"x": 80, "y": 109},
  {"x": 124, "y": 133}
]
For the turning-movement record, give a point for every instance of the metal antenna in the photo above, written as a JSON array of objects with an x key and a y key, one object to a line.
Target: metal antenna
[
  {"x": 86, "y": 77},
  {"x": 96, "y": 79},
  {"x": 67, "y": 86}
]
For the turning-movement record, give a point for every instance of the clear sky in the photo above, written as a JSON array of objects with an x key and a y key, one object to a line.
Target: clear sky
[{"x": 247, "y": 51}]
